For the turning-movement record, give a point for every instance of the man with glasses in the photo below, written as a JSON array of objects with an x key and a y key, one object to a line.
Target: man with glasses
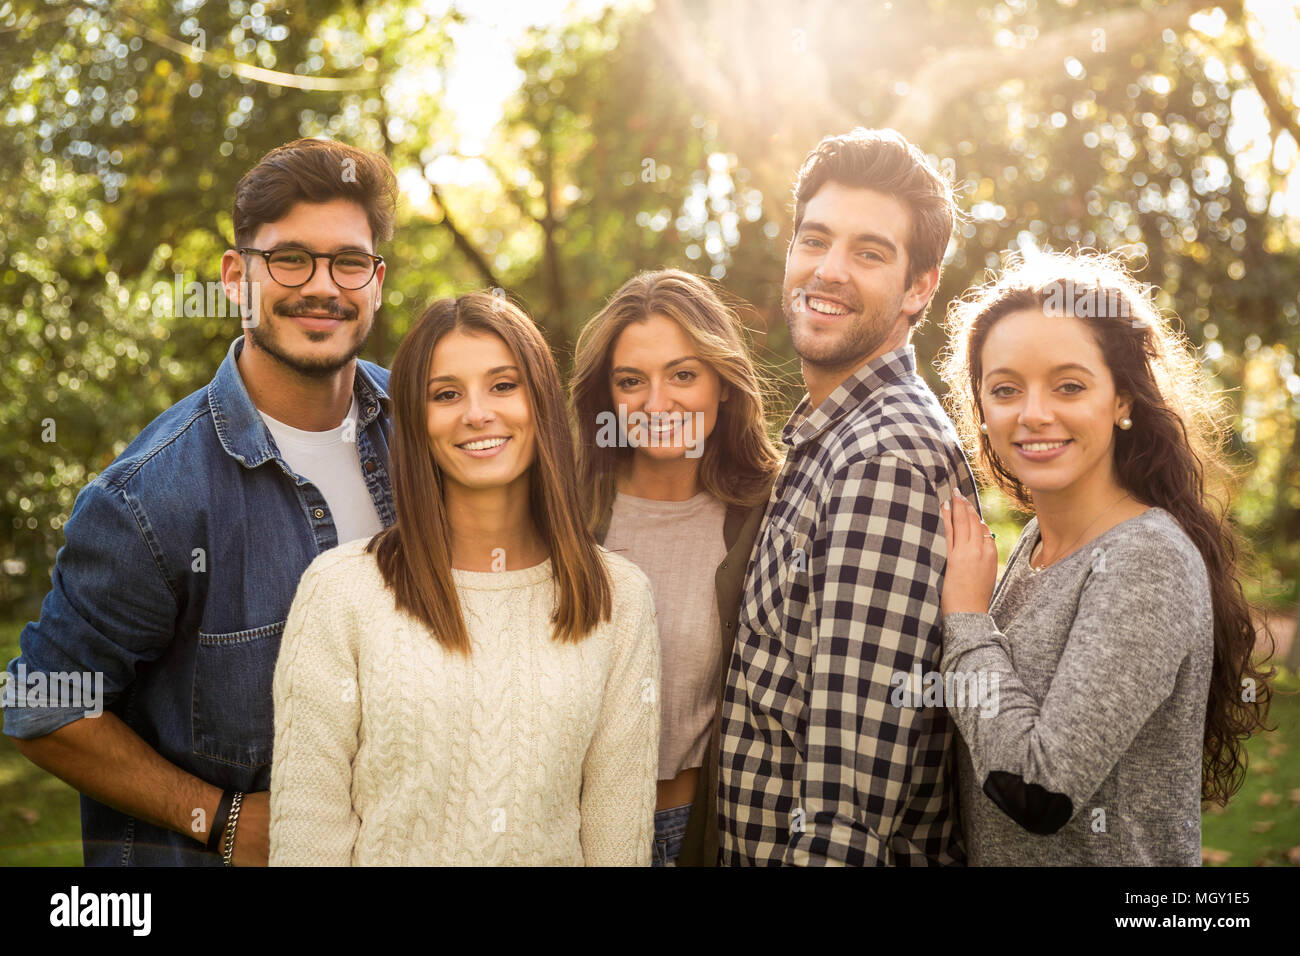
[{"x": 182, "y": 558}]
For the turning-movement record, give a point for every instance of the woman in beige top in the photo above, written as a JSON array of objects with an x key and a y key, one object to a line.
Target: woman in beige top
[{"x": 675, "y": 461}]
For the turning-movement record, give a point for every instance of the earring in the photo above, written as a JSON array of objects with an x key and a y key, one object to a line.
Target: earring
[
  {"x": 984, "y": 427},
  {"x": 1126, "y": 423}
]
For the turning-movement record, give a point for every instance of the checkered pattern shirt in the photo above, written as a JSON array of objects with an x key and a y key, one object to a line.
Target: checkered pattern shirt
[{"x": 818, "y": 764}]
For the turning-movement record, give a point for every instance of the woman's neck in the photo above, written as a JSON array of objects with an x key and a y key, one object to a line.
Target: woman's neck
[
  {"x": 1073, "y": 516},
  {"x": 492, "y": 529},
  {"x": 674, "y": 479}
]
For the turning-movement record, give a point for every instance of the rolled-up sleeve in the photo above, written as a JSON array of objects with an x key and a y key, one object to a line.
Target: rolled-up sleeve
[
  {"x": 875, "y": 578},
  {"x": 110, "y": 609}
]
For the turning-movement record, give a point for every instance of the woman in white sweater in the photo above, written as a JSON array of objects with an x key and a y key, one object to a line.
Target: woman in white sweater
[{"x": 476, "y": 685}]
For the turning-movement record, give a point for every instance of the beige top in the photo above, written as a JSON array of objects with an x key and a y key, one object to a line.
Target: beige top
[
  {"x": 391, "y": 751},
  {"x": 679, "y": 545}
]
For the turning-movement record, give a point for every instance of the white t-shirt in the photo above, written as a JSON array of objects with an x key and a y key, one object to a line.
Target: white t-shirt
[{"x": 330, "y": 461}]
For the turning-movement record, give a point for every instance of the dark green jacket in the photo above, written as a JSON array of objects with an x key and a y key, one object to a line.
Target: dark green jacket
[{"x": 739, "y": 531}]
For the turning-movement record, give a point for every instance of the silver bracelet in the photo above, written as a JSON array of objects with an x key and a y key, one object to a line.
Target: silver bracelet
[{"x": 228, "y": 839}]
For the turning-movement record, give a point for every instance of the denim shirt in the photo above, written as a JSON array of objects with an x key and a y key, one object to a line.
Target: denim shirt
[{"x": 180, "y": 563}]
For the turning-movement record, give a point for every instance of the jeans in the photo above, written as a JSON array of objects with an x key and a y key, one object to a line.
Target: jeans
[{"x": 670, "y": 828}]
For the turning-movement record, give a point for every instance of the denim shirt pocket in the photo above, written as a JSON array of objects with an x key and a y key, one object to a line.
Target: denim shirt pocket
[{"x": 233, "y": 714}]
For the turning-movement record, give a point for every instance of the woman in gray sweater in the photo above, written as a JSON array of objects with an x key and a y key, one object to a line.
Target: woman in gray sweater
[{"x": 1108, "y": 684}]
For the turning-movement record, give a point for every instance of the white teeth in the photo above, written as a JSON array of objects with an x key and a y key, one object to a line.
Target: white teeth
[
  {"x": 1042, "y": 445},
  {"x": 484, "y": 444},
  {"x": 826, "y": 308}
]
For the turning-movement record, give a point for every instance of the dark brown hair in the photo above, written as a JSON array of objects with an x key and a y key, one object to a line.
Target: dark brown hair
[
  {"x": 881, "y": 159},
  {"x": 1173, "y": 456},
  {"x": 414, "y": 554},
  {"x": 739, "y": 459},
  {"x": 316, "y": 171}
]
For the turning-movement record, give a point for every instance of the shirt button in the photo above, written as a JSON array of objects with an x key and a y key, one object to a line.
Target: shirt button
[
  {"x": 370, "y": 466},
  {"x": 724, "y": 565},
  {"x": 728, "y": 625},
  {"x": 319, "y": 512}
]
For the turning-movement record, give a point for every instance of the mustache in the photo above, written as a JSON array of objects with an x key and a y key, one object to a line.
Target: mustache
[{"x": 331, "y": 308}]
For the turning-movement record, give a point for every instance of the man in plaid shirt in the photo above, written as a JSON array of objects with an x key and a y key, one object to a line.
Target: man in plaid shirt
[{"x": 818, "y": 763}]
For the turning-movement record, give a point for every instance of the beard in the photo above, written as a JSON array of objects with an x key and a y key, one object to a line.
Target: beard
[
  {"x": 862, "y": 335},
  {"x": 264, "y": 336}
]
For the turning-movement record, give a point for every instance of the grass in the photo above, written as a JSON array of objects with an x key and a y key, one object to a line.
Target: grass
[
  {"x": 40, "y": 815},
  {"x": 40, "y": 819},
  {"x": 1261, "y": 826}
]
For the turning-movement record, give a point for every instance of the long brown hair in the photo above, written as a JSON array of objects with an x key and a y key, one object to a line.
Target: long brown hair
[
  {"x": 414, "y": 554},
  {"x": 739, "y": 458},
  {"x": 1173, "y": 457}
]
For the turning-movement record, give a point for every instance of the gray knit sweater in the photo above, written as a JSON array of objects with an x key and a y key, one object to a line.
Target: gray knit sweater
[{"x": 1084, "y": 713}]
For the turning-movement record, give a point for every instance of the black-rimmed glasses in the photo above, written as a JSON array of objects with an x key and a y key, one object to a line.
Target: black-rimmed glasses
[{"x": 292, "y": 266}]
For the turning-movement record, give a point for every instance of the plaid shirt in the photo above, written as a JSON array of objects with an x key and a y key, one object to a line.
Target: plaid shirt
[{"x": 818, "y": 765}]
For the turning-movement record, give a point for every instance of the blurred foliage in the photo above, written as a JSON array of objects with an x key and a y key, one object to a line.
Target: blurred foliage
[{"x": 125, "y": 126}]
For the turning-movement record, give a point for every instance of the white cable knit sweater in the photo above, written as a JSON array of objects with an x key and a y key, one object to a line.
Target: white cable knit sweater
[{"x": 391, "y": 751}]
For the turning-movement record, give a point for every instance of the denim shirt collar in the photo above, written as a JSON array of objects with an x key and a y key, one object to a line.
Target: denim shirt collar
[
  {"x": 241, "y": 430},
  {"x": 806, "y": 422}
]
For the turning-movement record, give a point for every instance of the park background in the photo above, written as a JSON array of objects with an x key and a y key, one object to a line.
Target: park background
[{"x": 553, "y": 150}]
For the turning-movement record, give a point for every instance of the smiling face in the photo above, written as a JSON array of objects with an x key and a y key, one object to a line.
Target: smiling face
[
  {"x": 318, "y": 328},
  {"x": 654, "y": 371},
  {"x": 1049, "y": 401},
  {"x": 846, "y": 298},
  {"x": 480, "y": 424}
]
